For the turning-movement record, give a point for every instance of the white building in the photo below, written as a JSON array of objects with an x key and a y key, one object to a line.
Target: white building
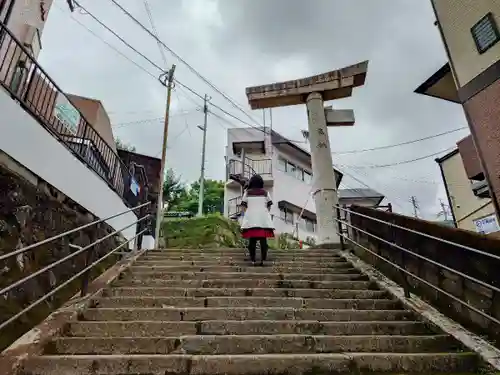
[
  {"x": 50, "y": 137},
  {"x": 286, "y": 170}
]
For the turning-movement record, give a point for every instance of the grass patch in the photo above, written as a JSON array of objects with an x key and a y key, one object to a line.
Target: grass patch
[{"x": 199, "y": 232}]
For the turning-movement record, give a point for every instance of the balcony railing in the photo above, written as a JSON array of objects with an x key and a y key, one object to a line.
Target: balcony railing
[
  {"x": 250, "y": 167},
  {"x": 28, "y": 84},
  {"x": 234, "y": 206}
]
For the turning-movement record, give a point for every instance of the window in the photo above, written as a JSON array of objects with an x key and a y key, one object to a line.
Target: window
[
  {"x": 299, "y": 174},
  {"x": 310, "y": 225},
  {"x": 286, "y": 215},
  {"x": 282, "y": 164},
  {"x": 307, "y": 177},
  {"x": 485, "y": 33},
  {"x": 291, "y": 169},
  {"x": 294, "y": 171}
]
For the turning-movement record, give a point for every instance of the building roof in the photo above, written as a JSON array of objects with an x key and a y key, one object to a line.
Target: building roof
[
  {"x": 440, "y": 85},
  {"x": 447, "y": 156},
  {"x": 360, "y": 193}
]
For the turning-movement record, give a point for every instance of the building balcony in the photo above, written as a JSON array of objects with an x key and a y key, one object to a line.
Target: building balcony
[
  {"x": 27, "y": 83},
  {"x": 238, "y": 172}
]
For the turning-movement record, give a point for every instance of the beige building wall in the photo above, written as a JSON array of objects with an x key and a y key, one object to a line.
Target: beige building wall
[
  {"x": 466, "y": 206},
  {"x": 486, "y": 210},
  {"x": 456, "y": 18}
]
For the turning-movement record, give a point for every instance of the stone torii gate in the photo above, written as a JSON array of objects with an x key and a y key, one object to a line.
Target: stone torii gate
[{"x": 313, "y": 91}]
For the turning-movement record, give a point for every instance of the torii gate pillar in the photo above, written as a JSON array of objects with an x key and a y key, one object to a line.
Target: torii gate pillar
[{"x": 313, "y": 91}]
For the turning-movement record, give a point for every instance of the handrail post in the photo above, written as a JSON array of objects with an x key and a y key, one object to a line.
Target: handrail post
[
  {"x": 89, "y": 258},
  {"x": 404, "y": 281},
  {"x": 341, "y": 234}
]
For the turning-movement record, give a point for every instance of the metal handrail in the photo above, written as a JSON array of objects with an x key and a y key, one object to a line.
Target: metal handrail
[
  {"x": 66, "y": 258},
  {"x": 471, "y": 278},
  {"x": 65, "y": 283},
  {"x": 61, "y": 235},
  {"x": 403, "y": 270},
  {"x": 465, "y": 247}
]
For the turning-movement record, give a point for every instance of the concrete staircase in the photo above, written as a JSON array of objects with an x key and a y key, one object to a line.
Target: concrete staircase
[{"x": 209, "y": 312}]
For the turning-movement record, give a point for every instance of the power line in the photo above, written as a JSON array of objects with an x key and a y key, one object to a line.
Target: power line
[
  {"x": 399, "y": 144},
  {"x": 151, "y": 21},
  {"x": 363, "y": 183},
  {"x": 137, "y": 122},
  {"x": 109, "y": 44},
  {"x": 120, "y": 38},
  {"x": 404, "y": 161},
  {"x": 148, "y": 120},
  {"x": 156, "y": 65},
  {"x": 193, "y": 70}
]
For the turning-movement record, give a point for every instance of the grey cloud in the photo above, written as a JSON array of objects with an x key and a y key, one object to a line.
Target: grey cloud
[{"x": 247, "y": 42}]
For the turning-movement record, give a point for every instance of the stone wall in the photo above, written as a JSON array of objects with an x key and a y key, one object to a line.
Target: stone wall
[
  {"x": 470, "y": 263},
  {"x": 30, "y": 212}
]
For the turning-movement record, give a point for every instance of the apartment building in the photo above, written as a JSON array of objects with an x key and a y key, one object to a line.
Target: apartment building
[
  {"x": 468, "y": 194},
  {"x": 287, "y": 172},
  {"x": 470, "y": 32},
  {"x": 26, "y": 20},
  {"x": 57, "y": 139}
]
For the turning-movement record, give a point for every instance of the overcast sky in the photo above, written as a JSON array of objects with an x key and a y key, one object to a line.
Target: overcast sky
[{"x": 240, "y": 43}]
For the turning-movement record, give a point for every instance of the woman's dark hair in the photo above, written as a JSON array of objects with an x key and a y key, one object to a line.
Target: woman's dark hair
[{"x": 256, "y": 182}]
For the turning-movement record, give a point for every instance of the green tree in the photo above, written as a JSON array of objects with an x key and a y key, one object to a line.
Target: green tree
[
  {"x": 174, "y": 190},
  {"x": 213, "y": 200},
  {"x": 124, "y": 146}
]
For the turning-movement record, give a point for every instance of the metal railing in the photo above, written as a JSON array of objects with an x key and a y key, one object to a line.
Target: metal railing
[
  {"x": 262, "y": 166},
  {"x": 346, "y": 231},
  {"x": 250, "y": 167},
  {"x": 88, "y": 251},
  {"x": 28, "y": 83},
  {"x": 234, "y": 206}
]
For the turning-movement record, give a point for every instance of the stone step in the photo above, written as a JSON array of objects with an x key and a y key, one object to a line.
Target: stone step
[
  {"x": 238, "y": 263},
  {"x": 241, "y": 292},
  {"x": 229, "y": 269},
  {"x": 239, "y": 252},
  {"x": 251, "y": 344},
  {"x": 243, "y": 252},
  {"x": 278, "y": 364},
  {"x": 247, "y": 283},
  {"x": 241, "y": 313},
  {"x": 312, "y": 303},
  {"x": 335, "y": 275},
  {"x": 249, "y": 327},
  {"x": 243, "y": 249},
  {"x": 244, "y": 258}
]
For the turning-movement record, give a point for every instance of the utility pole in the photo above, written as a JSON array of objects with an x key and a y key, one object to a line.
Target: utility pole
[
  {"x": 444, "y": 209},
  {"x": 203, "y": 149},
  {"x": 71, "y": 5},
  {"x": 414, "y": 202},
  {"x": 169, "y": 81}
]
